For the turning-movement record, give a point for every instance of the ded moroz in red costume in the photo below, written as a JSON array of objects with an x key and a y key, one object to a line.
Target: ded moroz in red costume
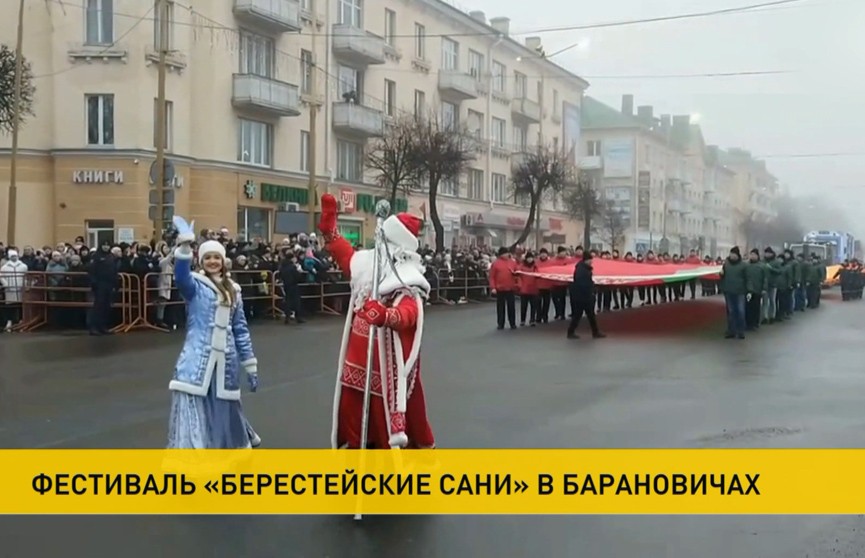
[{"x": 397, "y": 415}]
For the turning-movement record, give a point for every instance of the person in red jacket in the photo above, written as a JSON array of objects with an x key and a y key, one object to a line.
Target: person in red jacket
[
  {"x": 397, "y": 412},
  {"x": 692, "y": 259},
  {"x": 503, "y": 283},
  {"x": 544, "y": 287},
  {"x": 529, "y": 291}
]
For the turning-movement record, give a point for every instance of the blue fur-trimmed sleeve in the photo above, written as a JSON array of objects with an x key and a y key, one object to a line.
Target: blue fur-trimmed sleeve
[
  {"x": 242, "y": 338},
  {"x": 183, "y": 272}
]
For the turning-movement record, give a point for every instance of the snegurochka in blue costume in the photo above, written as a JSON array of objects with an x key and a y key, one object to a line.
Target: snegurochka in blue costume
[{"x": 206, "y": 412}]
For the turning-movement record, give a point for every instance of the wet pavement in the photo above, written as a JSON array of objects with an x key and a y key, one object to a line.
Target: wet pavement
[{"x": 663, "y": 378}]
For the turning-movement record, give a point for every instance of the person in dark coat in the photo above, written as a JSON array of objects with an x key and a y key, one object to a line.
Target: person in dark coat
[
  {"x": 582, "y": 291},
  {"x": 103, "y": 281},
  {"x": 292, "y": 277}
]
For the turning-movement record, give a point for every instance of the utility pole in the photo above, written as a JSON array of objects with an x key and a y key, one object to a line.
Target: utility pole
[
  {"x": 310, "y": 152},
  {"x": 539, "y": 236},
  {"x": 16, "y": 124},
  {"x": 162, "y": 20}
]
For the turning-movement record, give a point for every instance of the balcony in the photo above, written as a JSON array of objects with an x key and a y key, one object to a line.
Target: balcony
[
  {"x": 265, "y": 95},
  {"x": 526, "y": 110},
  {"x": 356, "y": 46},
  {"x": 273, "y": 16},
  {"x": 520, "y": 157},
  {"x": 357, "y": 120},
  {"x": 458, "y": 85}
]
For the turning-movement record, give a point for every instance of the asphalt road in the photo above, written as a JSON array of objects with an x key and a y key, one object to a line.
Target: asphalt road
[{"x": 663, "y": 378}]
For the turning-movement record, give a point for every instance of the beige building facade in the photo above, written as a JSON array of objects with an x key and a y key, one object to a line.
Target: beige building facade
[
  {"x": 657, "y": 172},
  {"x": 242, "y": 78}
]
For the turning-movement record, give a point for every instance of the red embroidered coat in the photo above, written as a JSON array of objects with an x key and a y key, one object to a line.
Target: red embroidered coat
[{"x": 397, "y": 412}]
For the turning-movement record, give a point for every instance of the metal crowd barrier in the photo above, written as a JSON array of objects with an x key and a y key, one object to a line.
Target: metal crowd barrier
[{"x": 56, "y": 298}]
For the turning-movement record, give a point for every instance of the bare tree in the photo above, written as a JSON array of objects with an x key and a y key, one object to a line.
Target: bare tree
[
  {"x": 583, "y": 202},
  {"x": 7, "y": 90},
  {"x": 541, "y": 175},
  {"x": 394, "y": 158},
  {"x": 614, "y": 224},
  {"x": 443, "y": 152}
]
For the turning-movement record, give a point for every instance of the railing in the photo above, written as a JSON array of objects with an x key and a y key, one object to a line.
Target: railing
[{"x": 64, "y": 300}]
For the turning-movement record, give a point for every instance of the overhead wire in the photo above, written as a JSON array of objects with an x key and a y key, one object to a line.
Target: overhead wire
[{"x": 102, "y": 50}]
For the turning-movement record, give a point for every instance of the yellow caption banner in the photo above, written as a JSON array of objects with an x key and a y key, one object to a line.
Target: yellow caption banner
[{"x": 432, "y": 482}]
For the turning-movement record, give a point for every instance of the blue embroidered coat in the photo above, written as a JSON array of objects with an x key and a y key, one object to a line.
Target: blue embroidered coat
[{"x": 217, "y": 337}]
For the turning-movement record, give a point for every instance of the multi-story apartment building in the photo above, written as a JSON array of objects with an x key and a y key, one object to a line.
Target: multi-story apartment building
[
  {"x": 756, "y": 191},
  {"x": 243, "y": 77},
  {"x": 658, "y": 174}
]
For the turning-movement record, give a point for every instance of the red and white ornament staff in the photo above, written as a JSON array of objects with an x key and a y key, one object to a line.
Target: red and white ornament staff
[{"x": 397, "y": 416}]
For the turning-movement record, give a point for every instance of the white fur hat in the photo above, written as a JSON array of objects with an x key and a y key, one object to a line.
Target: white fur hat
[{"x": 209, "y": 247}]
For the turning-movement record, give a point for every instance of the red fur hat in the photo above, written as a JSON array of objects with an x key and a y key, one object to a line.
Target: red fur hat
[{"x": 412, "y": 223}]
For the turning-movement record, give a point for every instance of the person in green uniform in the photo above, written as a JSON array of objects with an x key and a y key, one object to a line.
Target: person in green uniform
[
  {"x": 734, "y": 286},
  {"x": 755, "y": 277},
  {"x": 800, "y": 294},
  {"x": 770, "y": 297}
]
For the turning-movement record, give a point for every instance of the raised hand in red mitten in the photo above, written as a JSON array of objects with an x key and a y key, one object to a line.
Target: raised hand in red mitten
[{"x": 327, "y": 223}]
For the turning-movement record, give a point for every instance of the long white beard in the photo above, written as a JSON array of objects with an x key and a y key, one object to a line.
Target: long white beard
[{"x": 406, "y": 270}]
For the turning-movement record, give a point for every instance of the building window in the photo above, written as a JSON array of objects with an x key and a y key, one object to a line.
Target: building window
[
  {"x": 257, "y": 55},
  {"x": 350, "y": 12},
  {"x": 521, "y": 138},
  {"x": 306, "y": 66},
  {"x": 499, "y": 189},
  {"x": 448, "y": 187},
  {"x": 255, "y": 145},
  {"x": 520, "y": 86},
  {"x": 476, "y": 124},
  {"x": 593, "y": 148},
  {"x": 450, "y": 115},
  {"x": 350, "y": 83},
  {"x": 99, "y": 231},
  {"x": 450, "y": 54},
  {"x": 390, "y": 98},
  {"x": 253, "y": 222},
  {"x": 349, "y": 161},
  {"x": 99, "y": 23},
  {"x": 100, "y": 119},
  {"x": 169, "y": 124},
  {"x": 556, "y": 102},
  {"x": 389, "y": 26},
  {"x": 499, "y": 73},
  {"x": 304, "y": 151},
  {"x": 169, "y": 26},
  {"x": 419, "y": 103},
  {"x": 476, "y": 64},
  {"x": 476, "y": 184},
  {"x": 419, "y": 41},
  {"x": 499, "y": 132}
]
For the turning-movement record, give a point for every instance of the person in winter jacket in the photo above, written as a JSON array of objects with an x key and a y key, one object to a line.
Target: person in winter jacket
[
  {"x": 734, "y": 285},
  {"x": 529, "y": 297},
  {"x": 503, "y": 284},
  {"x": 13, "y": 275},
  {"x": 756, "y": 275}
]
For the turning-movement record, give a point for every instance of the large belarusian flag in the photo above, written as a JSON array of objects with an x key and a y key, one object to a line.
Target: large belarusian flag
[{"x": 618, "y": 272}]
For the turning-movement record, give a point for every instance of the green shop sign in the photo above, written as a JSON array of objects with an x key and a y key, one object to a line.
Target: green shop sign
[
  {"x": 283, "y": 194},
  {"x": 273, "y": 193},
  {"x": 367, "y": 202}
]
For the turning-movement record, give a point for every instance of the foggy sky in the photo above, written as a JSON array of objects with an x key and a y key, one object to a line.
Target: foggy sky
[{"x": 817, "y": 109}]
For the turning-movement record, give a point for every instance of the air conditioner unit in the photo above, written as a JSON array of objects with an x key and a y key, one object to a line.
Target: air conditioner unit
[{"x": 290, "y": 206}]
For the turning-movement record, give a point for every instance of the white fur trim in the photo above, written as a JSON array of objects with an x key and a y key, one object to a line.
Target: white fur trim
[
  {"x": 183, "y": 252},
  {"x": 209, "y": 247},
  {"x": 397, "y": 233},
  {"x": 409, "y": 270},
  {"x": 398, "y": 440},
  {"x": 250, "y": 366}
]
